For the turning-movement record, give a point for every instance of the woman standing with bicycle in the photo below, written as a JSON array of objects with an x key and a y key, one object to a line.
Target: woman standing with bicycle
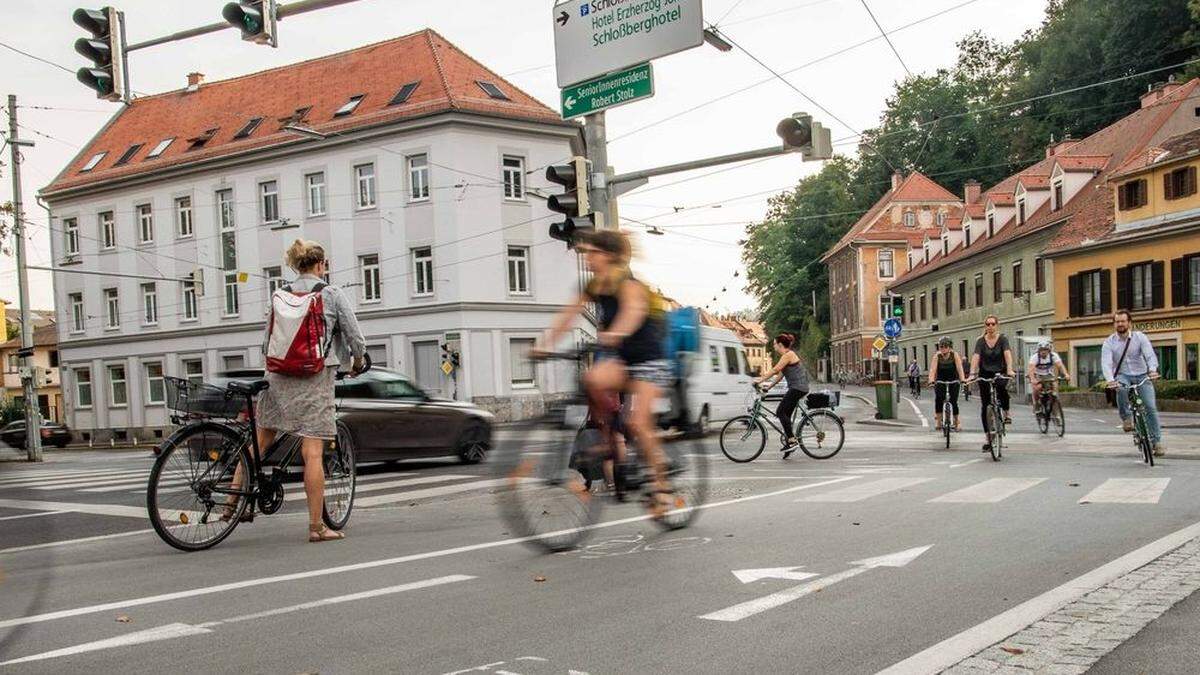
[
  {"x": 789, "y": 367},
  {"x": 304, "y": 405},
  {"x": 992, "y": 358},
  {"x": 945, "y": 374}
]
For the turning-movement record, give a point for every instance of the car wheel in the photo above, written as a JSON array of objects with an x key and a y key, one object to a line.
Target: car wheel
[{"x": 474, "y": 444}]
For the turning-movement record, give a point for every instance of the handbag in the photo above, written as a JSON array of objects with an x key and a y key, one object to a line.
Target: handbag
[{"x": 1110, "y": 395}]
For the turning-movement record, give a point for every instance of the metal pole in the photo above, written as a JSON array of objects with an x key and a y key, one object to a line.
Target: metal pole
[
  {"x": 702, "y": 163},
  {"x": 33, "y": 427},
  {"x": 282, "y": 12},
  {"x": 595, "y": 136}
]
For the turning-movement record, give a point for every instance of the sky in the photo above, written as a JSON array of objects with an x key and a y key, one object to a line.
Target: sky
[{"x": 697, "y": 110}]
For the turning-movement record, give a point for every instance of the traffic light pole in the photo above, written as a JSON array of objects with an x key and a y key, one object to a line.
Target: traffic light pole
[
  {"x": 595, "y": 136},
  {"x": 33, "y": 432},
  {"x": 284, "y": 11}
]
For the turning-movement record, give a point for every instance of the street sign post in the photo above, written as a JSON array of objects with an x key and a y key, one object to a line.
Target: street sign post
[
  {"x": 595, "y": 37},
  {"x": 892, "y": 328},
  {"x": 626, "y": 86}
]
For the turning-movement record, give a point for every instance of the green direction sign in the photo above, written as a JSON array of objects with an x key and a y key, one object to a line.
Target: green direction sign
[{"x": 624, "y": 86}]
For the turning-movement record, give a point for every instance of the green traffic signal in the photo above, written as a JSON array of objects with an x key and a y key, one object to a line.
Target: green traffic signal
[{"x": 898, "y": 311}]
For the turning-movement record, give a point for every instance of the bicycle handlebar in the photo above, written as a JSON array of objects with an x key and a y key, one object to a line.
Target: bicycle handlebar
[
  {"x": 341, "y": 374},
  {"x": 1122, "y": 385}
]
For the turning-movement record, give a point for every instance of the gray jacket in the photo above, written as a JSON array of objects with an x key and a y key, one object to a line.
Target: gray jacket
[{"x": 347, "y": 338}]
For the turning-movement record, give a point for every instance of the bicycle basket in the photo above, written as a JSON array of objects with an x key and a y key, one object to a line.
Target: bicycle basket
[
  {"x": 823, "y": 399},
  {"x": 193, "y": 399}
]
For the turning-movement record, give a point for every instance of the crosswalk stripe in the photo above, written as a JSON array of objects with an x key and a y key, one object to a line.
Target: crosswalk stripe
[
  {"x": 181, "y": 485},
  {"x": 422, "y": 480},
  {"x": 74, "y": 475},
  {"x": 1127, "y": 491},
  {"x": 430, "y": 492},
  {"x": 89, "y": 482},
  {"x": 989, "y": 491},
  {"x": 861, "y": 491}
]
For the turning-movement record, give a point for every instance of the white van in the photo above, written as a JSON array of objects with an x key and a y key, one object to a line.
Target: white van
[{"x": 719, "y": 381}]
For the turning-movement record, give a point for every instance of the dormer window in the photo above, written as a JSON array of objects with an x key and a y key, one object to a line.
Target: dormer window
[
  {"x": 941, "y": 218},
  {"x": 160, "y": 148},
  {"x": 405, "y": 92},
  {"x": 492, "y": 90},
  {"x": 966, "y": 233},
  {"x": 1056, "y": 194},
  {"x": 249, "y": 128},
  {"x": 349, "y": 106},
  {"x": 1132, "y": 195},
  {"x": 946, "y": 245},
  {"x": 1021, "y": 211},
  {"x": 910, "y": 219},
  {"x": 295, "y": 118},
  {"x": 128, "y": 155},
  {"x": 199, "y": 141},
  {"x": 991, "y": 224}
]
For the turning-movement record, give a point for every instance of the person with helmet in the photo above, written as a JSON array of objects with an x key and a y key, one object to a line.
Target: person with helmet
[
  {"x": 1045, "y": 367},
  {"x": 946, "y": 366}
]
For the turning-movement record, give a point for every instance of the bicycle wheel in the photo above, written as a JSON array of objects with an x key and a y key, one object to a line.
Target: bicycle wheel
[
  {"x": 1043, "y": 416},
  {"x": 743, "y": 439},
  {"x": 995, "y": 433},
  {"x": 544, "y": 499},
  {"x": 1058, "y": 419},
  {"x": 188, "y": 496},
  {"x": 1142, "y": 438},
  {"x": 340, "y": 480},
  {"x": 947, "y": 422},
  {"x": 821, "y": 434},
  {"x": 688, "y": 473}
]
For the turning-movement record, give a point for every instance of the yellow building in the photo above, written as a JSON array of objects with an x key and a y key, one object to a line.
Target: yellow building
[
  {"x": 45, "y": 359},
  {"x": 1143, "y": 255}
]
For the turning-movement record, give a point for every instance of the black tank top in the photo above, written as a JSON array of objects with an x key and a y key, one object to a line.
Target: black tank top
[
  {"x": 946, "y": 370},
  {"x": 645, "y": 343}
]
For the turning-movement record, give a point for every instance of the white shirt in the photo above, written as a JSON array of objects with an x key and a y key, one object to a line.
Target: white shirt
[
  {"x": 1044, "y": 368},
  {"x": 1138, "y": 361}
]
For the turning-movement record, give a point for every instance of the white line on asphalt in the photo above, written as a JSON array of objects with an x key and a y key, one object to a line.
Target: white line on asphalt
[
  {"x": 917, "y": 410},
  {"x": 123, "y": 482},
  {"x": 431, "y": 492},
  {"x": 167, "y": 632},
  {"x": 989, "y": 491},
  {"x": 69, "y": 542},
  {"x": 1127, "y": 491},
  {"x": 372, "y": 564},
  {"x": 26, "y": 475},
  {"x": 96, "y": 509},
  {"x": 861, "y": 491},
  {"x": 969, "y": 461},
  {"x": 33, "y": 515},
  {"x": 181, "y": 488},
  {"x": 979, "y": 637},
  {"x": 423, "y": 480},
  {"x": 13, "y": 481}
]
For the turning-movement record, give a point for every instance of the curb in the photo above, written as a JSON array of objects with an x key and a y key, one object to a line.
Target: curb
[{"x": 887, "y": 423}]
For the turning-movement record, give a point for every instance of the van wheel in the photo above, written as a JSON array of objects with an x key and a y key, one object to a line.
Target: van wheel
[{"x": 702, "y": 424}]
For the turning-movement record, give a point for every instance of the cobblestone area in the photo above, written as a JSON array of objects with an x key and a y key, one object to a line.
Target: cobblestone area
[{"x": 1071, "y": 639}]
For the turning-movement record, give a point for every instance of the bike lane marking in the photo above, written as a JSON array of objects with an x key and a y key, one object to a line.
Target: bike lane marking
[
  {"x": 372, "y": 564},
  {"x": 917, "y": 410}
]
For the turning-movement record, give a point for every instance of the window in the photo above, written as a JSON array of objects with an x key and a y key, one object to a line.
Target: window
[
  {"x": 71, "y": 236},
  {"x": 912, "y": 310},
  {"x": 731, "y": 360},
  {"x": 225, "y": 207},
  {"x": 349, "y": 106},
  {"x": 962, "y": 294},
  {"x": 1141, "y": 286},
  {"x": 933, "y": 303},
  {"x": 268, "y": 192},
  {"x": 885, "y": 308},
  {"x": 112, "y": 308},
  {"x": 887, "y": 265},
  {"x": 160, "y": 148},
  {"x": 232, "y": 301},
  {"x": 518, "y": 270},
  {"x": 78, "y": 318},
  {"x": 197, "y": 142},
  {"x": 1039, "y": 275},
  {"x": 941, "y": 218},
  {"x": 364, "y": 179},
  {"x": 274, "y": 277},
  {"x": 1018, "y": 283},
  {"x": 91, "y": 163},
  {"x": 372, "y": 291},
  {"x": 14, "y": 363},
  {"x": 1056, "y": 195},
  {"x": 423, "y": 270},
  {"x": 117, "y": 391},
  {"x": 183, "y": 216},
  {"x": 946, "y": 245},
  {"x": 1088, "y": 293},
  {"x": 190, "y": 309},
  {"x": 418, "y": 177},
  {"x": 949, "y": 299},
  {"x": 714, "y": 359},
  {"x": 83, "y": 387},
  {"x": 108, "y": 231},
  {"x": 193, "y": 371},
  {"x": 233, "y": 362},
  {"x": 149, "y": 304},
  {"x": 1092, "y": 296},
  {"x": 491, "y": 90},
  {"x": 405, "y": 92},
  {"x": 53, "y": 358},
  {"x": 1131, "y": 195},
  {"x": 910, "y": 219},
  {"x": 128, "y": 155},
  {"x": 966, "y": 234},
  {"x": 991, "y": 224},
  {"x": 520, "y": 366},
  {"x": 1180, "y": 183},
  {"x": 997, "y": 285},
  {"x": 513, "y": 170},
  {"x": 1021, "y": 211},
  {"x": 295, "y": 118},
  {"x": 922, "y": 306},
  {"x": 249, "y": 128},
  {"x": 145, "y": 216},
  {"x": 979, "y": 290},
  {"x": 155, "y": 388},
  {"x": 314, "y": 184},
  {"x": 1193, "y": 276}
]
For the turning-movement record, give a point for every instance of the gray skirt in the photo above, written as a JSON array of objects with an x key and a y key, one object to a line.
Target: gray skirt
[{"x": 302, "y": 406}]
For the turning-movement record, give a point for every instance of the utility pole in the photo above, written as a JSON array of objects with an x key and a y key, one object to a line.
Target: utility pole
[
  {"x": 33, "y": 427},
  {"x": 595, "y": 136}
]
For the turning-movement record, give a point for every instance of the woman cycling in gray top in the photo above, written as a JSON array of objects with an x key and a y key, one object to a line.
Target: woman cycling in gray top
[{"x": 789, "y": 367}]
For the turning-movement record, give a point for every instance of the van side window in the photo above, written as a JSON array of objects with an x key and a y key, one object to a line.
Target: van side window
[
  {"x": 745, "y": 364},
  {"x": 731, "y": 360},
  {"x": 715, "y": 357}
]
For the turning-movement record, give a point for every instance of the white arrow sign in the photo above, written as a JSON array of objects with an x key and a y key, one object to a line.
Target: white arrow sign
[
  {"x": 747, "y": 576},
  {"x": 758, "y": 605},
  {"x": 570, "y": 102}
]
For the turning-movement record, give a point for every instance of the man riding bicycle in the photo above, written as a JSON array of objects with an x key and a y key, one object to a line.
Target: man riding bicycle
[{"x": 1044, "y": 369}]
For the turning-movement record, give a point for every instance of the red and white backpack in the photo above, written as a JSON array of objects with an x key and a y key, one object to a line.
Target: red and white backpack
[{"x": 296, "y": 342}]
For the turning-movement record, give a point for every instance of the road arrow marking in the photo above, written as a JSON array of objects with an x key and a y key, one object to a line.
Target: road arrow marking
[
  {"x": 758, "y": 605},
  {"x": 570, "y": 102},
  {"x": 748, "y": 576}
]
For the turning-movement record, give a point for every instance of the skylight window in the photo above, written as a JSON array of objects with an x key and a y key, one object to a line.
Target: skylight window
[
  {"x": 93, "y": 161},
  {"x": 349, "y": 106},
  {"x": 133, "y": 149},
  {"x": 295, "y": 118},
  {"x": 491, "y": 90},
  {"x": 405, "y": 92},
  {"x": 160, "y": 148},
  {"x": 249, "y": 128},
  {"x": 199, "y": 141}
]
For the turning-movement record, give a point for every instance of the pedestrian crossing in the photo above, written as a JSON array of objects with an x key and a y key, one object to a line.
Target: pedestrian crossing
[{"x": 995, "y": 490}]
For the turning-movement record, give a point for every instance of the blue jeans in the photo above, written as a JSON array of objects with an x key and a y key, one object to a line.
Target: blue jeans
[{"x": 1147, "y": 393}]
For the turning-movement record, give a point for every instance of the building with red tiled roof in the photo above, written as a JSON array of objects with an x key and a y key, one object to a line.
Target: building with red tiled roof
[
  {"x": 408, "y": 160},
  {"x": 1002, "y": 268}
]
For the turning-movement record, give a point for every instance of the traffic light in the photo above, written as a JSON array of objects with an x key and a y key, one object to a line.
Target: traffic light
[
  {"x": 105, "y": 49},
  {"x": 573, "y": 203},
  {"x": 898, "y": 306},
  {"x": 255, "y": 18},
  {"x": 801, "y": 133}
]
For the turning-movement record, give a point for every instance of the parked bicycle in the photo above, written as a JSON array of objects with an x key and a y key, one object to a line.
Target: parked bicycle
[
  {"x": 820, "y": 431},
  {"x": 1141, "y": 430},
  {"x": 995, "y": 416},
  {"x": 1049, "y": 410},
  {"x": 193, "y": 497}
]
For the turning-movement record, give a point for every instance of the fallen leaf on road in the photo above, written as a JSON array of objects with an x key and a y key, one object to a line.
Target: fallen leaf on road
[
  {"x": 856, "y": 523},
  {"x": 1072, "y": 484},
  {"x": 121, "y": 618},
  {"x": 1013, "y": 650},
  {"x": 539, "y": 578}
]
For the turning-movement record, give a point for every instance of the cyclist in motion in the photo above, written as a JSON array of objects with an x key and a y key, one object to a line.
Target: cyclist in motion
[
  {"x": 790, "y": 368},
  {"x": 632, "y": 359},
  {"x": 1044, "y": 369},
  {"x": 993, "y": 357},
  {"x": 946, "y": 367}
]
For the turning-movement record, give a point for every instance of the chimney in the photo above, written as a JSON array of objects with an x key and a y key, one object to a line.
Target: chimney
[
  {"x": 1060, "y": 147},
  {"x": 897, "y": 179},
  {"x": 971, "y": 192},
  {"x": 1157, "y": 92},
  {"x": 194, "y": 81}
]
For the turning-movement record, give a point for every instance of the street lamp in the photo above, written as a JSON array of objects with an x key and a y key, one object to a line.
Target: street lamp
[{"x": 713, "y": 38}]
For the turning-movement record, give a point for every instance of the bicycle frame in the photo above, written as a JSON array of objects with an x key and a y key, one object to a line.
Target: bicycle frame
[{"x": 757, "y": 414}]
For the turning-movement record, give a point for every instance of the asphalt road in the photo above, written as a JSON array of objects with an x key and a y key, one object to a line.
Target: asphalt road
[{"x": 873, "y": 556}]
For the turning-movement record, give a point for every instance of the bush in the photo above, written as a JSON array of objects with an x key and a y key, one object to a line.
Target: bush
[
  {"x": 10, "y": 411},
  {"x": 1178, "y": 389}
]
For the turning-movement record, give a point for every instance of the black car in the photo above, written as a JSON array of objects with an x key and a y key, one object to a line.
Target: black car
[{"x": 54, "y": 434}]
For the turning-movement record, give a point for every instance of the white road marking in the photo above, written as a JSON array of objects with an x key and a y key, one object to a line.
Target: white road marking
[
  {"x": 969, "y": 461},
  {"x": 431, "y": 492},
  {"x": 181, "y": 488},
  {"x": 1127, "y": 491},
  {"x": 917, "y": 410},
  {"x": 748, "y": 576},
  {"x": 981, "y": 636},
  {"x": 70, "y": 542},
  {"x": 96, "y": 509},
  {"x": 177, "y": 630},
  {"x": 33, "y": 515},
  {"x": 423, "y": 480},
  {"x": 861, "y": 491},
  {"x": 372, "y": 564},
  {"x": 23, "y": 481},
  {"x": 123, "y": 483},
  {"x": 989, "y": 491},
  {"x": 27, "y": 475}
]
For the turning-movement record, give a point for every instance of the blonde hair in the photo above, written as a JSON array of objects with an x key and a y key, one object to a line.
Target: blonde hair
[{"x": 303, "y": 255}]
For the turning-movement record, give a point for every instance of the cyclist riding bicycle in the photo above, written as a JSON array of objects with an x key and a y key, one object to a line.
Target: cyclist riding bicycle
[
  {"x": 632, "y": 358},
  {"x": 790, "y": 368},
  {"x": 1044, "y": 368},
  {"x": 914, "y": 378},
  {"x": 946, "y": 367},
  {"x": 992, "y": 358}
]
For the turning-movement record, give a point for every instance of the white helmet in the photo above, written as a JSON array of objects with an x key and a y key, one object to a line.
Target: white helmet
[{"x": 1043, "y": 344}]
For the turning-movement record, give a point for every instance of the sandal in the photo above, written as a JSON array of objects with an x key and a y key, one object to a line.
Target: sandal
[
  {"x": 319, "y": 533},
  {"x": 227, "y": 515}
]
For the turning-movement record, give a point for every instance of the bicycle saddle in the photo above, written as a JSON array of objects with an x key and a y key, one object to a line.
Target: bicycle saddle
[{"x": 248, "y": 387}]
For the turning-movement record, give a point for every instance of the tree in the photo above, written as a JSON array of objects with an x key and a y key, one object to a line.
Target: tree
[{"x": 12, "y": 330}]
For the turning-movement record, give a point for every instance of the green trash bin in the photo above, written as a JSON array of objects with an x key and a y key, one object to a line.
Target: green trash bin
[{"x": 885, "y": 400}]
